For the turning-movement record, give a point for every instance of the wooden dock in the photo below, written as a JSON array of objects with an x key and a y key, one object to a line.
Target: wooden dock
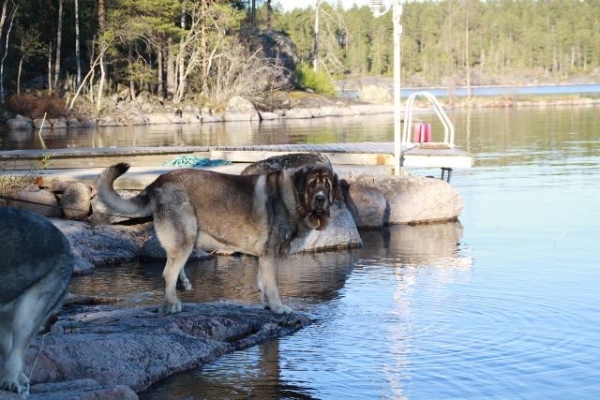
[{"x": 363, "y": 154}]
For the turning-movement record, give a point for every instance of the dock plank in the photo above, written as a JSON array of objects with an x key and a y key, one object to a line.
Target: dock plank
[{"x": 368, "y": 153}]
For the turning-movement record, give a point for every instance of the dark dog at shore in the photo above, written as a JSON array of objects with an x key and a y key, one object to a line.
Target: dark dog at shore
[
  {"x": 253, "y": 214},
  {"x": 36, "y": 265}
]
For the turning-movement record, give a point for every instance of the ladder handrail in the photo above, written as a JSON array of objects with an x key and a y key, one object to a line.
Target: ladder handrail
[{"x": 448, "y": 126}]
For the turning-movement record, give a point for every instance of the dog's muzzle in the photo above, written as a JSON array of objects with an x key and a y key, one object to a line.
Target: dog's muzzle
[{"x": 320, "y": 203}]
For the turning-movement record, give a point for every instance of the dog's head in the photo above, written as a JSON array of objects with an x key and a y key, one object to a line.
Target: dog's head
[{"x": 317, "y": 187}]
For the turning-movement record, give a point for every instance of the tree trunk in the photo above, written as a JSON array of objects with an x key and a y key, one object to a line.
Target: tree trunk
[
  {"x": 101, "y": 29},
  {"x": 58, "y": 46},
  {"x": 77, "y": 44},
  {"x": 269, "y": 12},
  {"x": 160, "y": 67},
  {"x": 6, "y": 42},
  {"x": 316, "y": 47},
  {"x": 19, "y": 70},
  {"x": 50, "y": 67},
  {"x": 101, "y": 16}
]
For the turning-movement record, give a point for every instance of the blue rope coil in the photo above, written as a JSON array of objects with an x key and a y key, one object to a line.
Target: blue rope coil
[{"x": 195, "y": 162}]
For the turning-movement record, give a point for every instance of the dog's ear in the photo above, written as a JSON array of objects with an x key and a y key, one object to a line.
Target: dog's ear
[
  {"x": 336, "y": 191},
  {"x": 299, "y": 178}
]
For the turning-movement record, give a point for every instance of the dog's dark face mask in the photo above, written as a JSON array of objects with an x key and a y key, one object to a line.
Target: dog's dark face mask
[{"x": 317, "y": 187}]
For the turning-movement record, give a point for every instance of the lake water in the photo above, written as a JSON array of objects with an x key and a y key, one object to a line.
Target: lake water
[{"x": 503, "y": 305}]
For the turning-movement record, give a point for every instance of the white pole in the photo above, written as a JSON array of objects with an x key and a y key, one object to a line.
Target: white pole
[{"x": 397, "y": 13}]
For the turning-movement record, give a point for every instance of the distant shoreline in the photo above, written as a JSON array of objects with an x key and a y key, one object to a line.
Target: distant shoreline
[{"x": 559, "y": 89}]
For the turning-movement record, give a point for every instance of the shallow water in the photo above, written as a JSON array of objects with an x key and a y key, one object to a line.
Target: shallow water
[{"x": 502, "y": 305}]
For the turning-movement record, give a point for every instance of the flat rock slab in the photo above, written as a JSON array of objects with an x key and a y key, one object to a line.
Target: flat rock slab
[{"x": 111, "y": 347}]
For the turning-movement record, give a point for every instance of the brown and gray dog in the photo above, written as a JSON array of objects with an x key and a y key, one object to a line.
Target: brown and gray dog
[
  {"x": 36, "y": 265},
  {"x": 257, "y": 215}
]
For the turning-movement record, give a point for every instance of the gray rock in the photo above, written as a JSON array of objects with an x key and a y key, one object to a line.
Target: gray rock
[
  {"x": 19, "y": 123},
  {"x": 269, "y": 116},
  {"x": 301, "y": 113},
  {"x": 238, "y": 104},
  {"x": 233, "y": 116},
  {"x": 417, "y": 199},
  {"x": 368, "y": 206},
  {"x": 138, "y": 347},
  {"x": 58, "y": 123},
  {"x": 277, "y": 46},
  {"x": 292, "y": 160},
  {"x": 76, "y": 201},
  {"x": 107, "y": 121},
  {"x": 36, "y": 200},
  {"x": 80, "y": 389},
  {"x": 341, "y": 233},
  {"x": 74, "y": 123},
  {"x": 40, "y": 123},
  {"x": 152, "y": 249},
  {"x": 101, "y": 245}
]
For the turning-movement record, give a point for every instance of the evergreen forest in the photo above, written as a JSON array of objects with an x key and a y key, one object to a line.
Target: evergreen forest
[{"x": 206, "y": 51}]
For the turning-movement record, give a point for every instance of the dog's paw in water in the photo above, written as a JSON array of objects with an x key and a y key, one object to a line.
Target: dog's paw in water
[
  {"x": 187, "y": 285},
  {"x": 172, "y": 308}
]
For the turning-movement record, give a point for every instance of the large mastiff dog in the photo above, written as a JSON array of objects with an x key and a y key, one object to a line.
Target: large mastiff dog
[
  {"x": 254, "y": 214},
  {"x": 36, "y": 265}
]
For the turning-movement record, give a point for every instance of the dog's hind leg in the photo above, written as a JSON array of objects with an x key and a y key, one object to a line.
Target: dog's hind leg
[
  {"x": 185, "y": 282},
  {"x": 175, "y": 262},
  {"x": 177, "y": 228},
  {"x": 267, "y": 284}
]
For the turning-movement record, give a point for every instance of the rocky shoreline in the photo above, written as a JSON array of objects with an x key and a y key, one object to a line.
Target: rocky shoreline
[
  {"x": 372, "y": 99},
  {"x": 106, "y": 352}
]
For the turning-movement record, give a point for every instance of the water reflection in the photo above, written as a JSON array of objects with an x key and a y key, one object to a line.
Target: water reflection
[
  {"x": 303, "y": 278},
  {"x": 346, "y": 292},
  {"x": 427, "y": 244},
  {"x": 321, "y": 130}
]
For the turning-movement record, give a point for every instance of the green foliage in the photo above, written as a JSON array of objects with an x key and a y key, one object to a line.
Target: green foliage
[
  {"x": 184, "y": 46},
  {"x": 319, "y": 82}
]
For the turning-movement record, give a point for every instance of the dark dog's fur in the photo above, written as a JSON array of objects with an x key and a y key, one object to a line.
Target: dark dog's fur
[
  {"x": 254, "y": 214},
  {"x": 36, "y": 265}
]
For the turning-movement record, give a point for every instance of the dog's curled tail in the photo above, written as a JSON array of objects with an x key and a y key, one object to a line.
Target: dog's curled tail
[{"x": 137, "y": 206}]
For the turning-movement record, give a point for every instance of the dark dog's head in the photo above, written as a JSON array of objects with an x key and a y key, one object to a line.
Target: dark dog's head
[{"x": 317, "y": 187}]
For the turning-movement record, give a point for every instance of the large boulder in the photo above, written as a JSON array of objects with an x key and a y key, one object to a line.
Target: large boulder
[
  {"x": 368, "y": 205},
  {"x": 416, "y": 199},
  {"x": 101, "y": 245},
  {"x": 19, "y": 123},
  {"x": 341, "y": 233},
  {"x": 286, "y": 161},
  {"x": 39, "y": 201},
  {"x": 279, "y": 47},
  {"x": 76, "y": 201}
]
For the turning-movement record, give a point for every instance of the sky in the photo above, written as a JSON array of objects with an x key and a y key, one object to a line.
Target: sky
[{"x": 290, "y": 4}]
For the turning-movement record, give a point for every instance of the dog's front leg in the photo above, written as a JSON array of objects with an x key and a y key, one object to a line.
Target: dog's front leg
[{"x": 267, "y": 284}]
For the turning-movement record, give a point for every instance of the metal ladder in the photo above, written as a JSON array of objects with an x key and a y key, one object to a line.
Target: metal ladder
[
  {"x": 448, "y": 126},
  {"x": 408, "y": 119}
]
